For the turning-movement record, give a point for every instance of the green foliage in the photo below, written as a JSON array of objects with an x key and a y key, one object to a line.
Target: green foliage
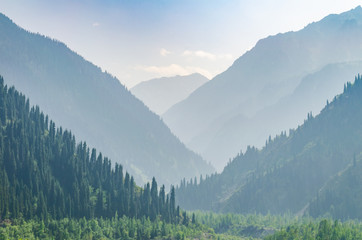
[
  {"x": 323, "y": 230},
  {"x": 257, "y": 226},
  {"x": 44, "y": 174},
  {"x": 246, "y": 225},
  {"x": 291, "y": 169},
  {"x": 99, "y": 228}
]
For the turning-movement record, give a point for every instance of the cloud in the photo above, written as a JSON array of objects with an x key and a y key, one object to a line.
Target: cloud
[
  {"x": 164, "y": 52},
  {"x": 203, "y": 54},
  {"x": 226, "y": 56},
  {"x": 199, "y": 53},
  {"x": 96, "y": 24},
  {"x": 173, "y": 70}
]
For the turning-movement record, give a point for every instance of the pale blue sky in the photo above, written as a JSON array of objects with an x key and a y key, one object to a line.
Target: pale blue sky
[{"x": 137, "y": 40}]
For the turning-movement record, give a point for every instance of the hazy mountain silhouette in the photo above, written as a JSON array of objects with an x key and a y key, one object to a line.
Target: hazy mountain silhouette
[
  {"x": 309, "y": 96},
  {"x": 94, "y": 105},
  {"x": 291, "y": 171},
  {"x": 341, "y": 196},
  {"x": 160, "y": 94},
  {"x": 260, "y": 78}
]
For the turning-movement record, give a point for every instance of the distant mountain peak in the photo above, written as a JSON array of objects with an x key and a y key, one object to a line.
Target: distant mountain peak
[
  {"x": 159, "y": 94},
  {"x": 223, "y": 115}
]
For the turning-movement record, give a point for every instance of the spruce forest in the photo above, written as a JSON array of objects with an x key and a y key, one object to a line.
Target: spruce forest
[
  {"x": 46, "y": 174},
  {"x": 52, "y": 187}
]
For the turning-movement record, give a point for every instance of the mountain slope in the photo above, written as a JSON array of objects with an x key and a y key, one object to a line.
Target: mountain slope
[
  {"x": 341, "y": 197},
  {"x": 309, "y": 96},
  {"x": 290, "y": 170},
  {"x": 260, "y": 78},
  {"x": 44, "y": 174},
  {"x": 79, "y": 96},
  {"x": 160, "y": 94}
]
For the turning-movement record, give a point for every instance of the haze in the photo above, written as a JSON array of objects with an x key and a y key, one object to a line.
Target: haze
[{"x": 139, "y": 40}]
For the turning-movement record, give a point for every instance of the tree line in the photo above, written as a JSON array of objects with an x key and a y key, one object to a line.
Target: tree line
[
  {"x": 45, "y": 174},
  {"x": 314, "y": 169}
]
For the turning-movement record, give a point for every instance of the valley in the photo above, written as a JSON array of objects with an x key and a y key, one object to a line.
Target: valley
[{"x": 175, "y": 145}]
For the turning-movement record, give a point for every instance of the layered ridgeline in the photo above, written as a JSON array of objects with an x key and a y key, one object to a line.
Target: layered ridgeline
[
  {"x": 320, "y": 159},
  {"x": 235, "y": 108},
  {"x": 341, "y": 197},
  {"x": 45, "y": 174},
  {"x": 160, "y": 94},
  {"x": 79, "y": 96}
]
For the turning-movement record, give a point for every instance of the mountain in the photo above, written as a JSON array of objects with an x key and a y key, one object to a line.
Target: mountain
[
  {"x": 309, "y": 96},
  {"x": 160, "y": 94},
  {"x": 44, "y": 174},
  {"x": 291, "y": 170},
  {"x": 341, "y": 197},
  {"x": 95, "y": 105},
  {"x": 259, "y": 79}
]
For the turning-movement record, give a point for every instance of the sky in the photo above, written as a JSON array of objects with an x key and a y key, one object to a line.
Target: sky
[{"x": 137, "y": 40}]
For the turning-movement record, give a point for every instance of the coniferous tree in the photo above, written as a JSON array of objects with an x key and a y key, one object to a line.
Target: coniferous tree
[
  {"x": 154, "y": 200},
  {"x": 44, "y": 173}
]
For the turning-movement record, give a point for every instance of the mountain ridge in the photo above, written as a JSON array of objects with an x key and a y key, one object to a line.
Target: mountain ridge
[
  {"x": 290, "y": 170},
  {"x": 159, "y": 94},
  {"x": 94, "y": 104},
  {"x": 46, "y": 175},
  {"x": 262, "y": 76}
]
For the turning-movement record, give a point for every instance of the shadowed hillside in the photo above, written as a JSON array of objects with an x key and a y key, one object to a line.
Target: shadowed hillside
[{"x": 79, "y": 96}]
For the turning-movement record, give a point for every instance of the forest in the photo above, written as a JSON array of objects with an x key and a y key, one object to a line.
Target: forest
[
  {"x": 202, "y": 226},
  {"x": 322, "y": 157},
  {"x": 45, "y": 174},
  {"x": 52, "y": 187}
]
